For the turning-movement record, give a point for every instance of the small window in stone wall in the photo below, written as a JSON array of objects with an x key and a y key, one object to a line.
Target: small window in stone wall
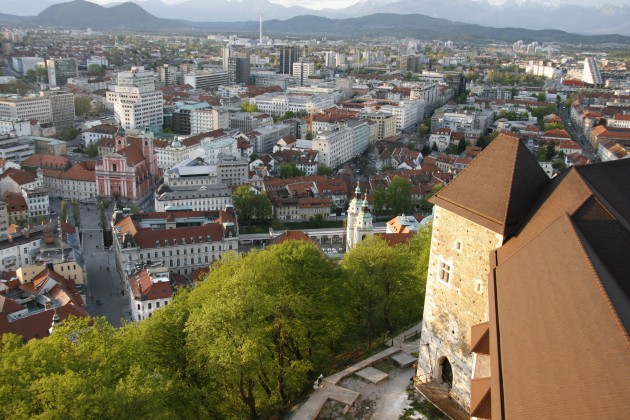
[
  {"x": 444, "y": 272},
  {"x": 457, "y": 246},
  {"x": 479, "y": 287}
]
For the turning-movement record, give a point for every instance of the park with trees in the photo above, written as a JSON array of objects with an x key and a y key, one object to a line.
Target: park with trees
[{"x": 247, "y": 342}]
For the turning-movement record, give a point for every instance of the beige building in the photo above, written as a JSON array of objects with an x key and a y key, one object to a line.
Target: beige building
[{"x": 70, "y": 270}]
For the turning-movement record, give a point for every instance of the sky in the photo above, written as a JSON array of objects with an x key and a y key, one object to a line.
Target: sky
[
  {"x": 339, "y": 4},
  {"x": 309, "y": 4}
]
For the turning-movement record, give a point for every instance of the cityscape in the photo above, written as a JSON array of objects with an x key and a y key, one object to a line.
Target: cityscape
[{"x": 300, "y": 210}]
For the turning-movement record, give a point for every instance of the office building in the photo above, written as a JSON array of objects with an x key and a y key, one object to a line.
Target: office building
[
  {"x": 239, "y": 68},
  {"x": 288, "y": 56},
  {"x": 137, "y": 103},
  {"x": 60, "y": 70}
]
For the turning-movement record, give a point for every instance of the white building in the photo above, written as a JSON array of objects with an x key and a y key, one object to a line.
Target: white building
[
  {"x": 16, "y": 150},
  {"x": 335, "y": 147},
  {"x": 280, "y": 103},
  {"x": 204, "y": 120},
  {"x": 23, "y": 64},
  {"x": 207, "y": 79},
  {"x": 407, "y": 113},
  {"x": 180, "y": 241},
  {"x": 591, "y": 74},
  {"x": 136, "y": 101},
  {"x": 78, "y": 182},
  {"x": 15, "y": 126},
  {"x": 20, "y": 249},
  {"x": 302, "y": 70},
  {"x": 38, "y": 203},
  {"x": 195, "y": 198},
  {"x": 148, "y": 290}
]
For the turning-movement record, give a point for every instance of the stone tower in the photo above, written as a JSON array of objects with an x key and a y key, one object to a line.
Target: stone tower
[{"x": 473, "y": 215}]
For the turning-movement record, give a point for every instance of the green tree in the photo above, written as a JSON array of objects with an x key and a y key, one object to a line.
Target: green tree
[
  {"x": 249, "y": 205},
  {"x": 550, "y": 151},
  {"x": 68, "y": 134},
  {"x": 64, "y": 210},
  {"x": 247, "y": 107},
  {"x": 461, "y": 146},
  {"x": 379, "y": 301},
  {"x": 324, "y": 170},
  {"x": 82, "y": 105},
  {"x": 484, "y": 141},
  {"x": 264, "y": 324},
  {"x": 95, "y": 68},
  {"x": 379, "y": 199},
  {"x": 253, "y": 157},
  {"x": 76, "y": 216},
  {"x": 399, "y": 199},
  {"x": 91, "y": 150},
  {"x": 102, "y": 219},
  {"x": 290, "y": 170},
  {"x": 262, "y": 207}
]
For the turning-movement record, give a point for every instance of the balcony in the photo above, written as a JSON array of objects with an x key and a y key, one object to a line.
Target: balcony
[{"x": 442, "y": 397}]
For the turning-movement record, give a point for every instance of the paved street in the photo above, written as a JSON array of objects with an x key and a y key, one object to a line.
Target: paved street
[{"x": 104, "y": 288}]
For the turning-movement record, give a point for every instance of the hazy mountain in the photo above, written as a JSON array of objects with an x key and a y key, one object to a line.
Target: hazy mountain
[
  {"x": 80, "y": 13},
  {"x": 590, "y": 18},
  {"x": 594, "y": 19}
]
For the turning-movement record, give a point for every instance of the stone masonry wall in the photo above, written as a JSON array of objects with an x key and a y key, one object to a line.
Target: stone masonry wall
[{"x": 451, "y": 309}]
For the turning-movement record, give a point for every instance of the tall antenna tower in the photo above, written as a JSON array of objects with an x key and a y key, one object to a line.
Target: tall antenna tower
[{"x": 260, "y": 40}]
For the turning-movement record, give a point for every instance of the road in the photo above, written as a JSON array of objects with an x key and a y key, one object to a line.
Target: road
[
  {"x": 104, "y": 289},
  {"x": 106, "y": 296},
  {"x": 576, "y": 134}
]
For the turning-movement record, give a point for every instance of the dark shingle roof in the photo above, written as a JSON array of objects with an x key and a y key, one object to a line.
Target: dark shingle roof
[{"x": 497, "y": 190}]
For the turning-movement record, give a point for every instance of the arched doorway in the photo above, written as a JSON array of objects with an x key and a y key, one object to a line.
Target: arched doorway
[{"x": 446, "y": 372}]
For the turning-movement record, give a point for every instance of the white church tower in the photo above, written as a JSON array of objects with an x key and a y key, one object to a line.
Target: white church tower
[{"x": 359, "y": 222}]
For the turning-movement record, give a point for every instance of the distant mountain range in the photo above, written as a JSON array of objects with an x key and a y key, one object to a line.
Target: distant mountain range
[
  {"x": 597, "y": 18},
  {"x": 130, "y": 16}
]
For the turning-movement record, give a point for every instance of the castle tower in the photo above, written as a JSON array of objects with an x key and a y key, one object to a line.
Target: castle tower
[
  {"x": 473, "y": 215},
  {"x": 353, "y": 211}
]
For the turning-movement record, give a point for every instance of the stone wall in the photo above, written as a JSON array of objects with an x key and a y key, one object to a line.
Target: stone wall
[{"x": 452, "y": 308}]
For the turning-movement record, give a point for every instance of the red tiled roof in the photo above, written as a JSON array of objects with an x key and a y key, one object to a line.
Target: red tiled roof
[
  {"x": 141, "y": 282},
  {"x": 394, "y": 239},
  {"x": 19, "y": 177},
  {"x": 50, "y": 161}
]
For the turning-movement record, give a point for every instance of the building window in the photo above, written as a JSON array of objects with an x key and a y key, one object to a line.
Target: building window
[
  {"x": 457, "y": 246},
  {"x": 444, "y": 272},
  {"x": 479, "y": 287}
]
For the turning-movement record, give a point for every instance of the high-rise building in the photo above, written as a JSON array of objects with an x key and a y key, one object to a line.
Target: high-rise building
[
  {"x": 239, "y": 68},
  {"x": 227, "y": 53},
  {"x": 302, "y": 70},
  {"x": 168, "y": 75},
  {"x": 60, "y": 70},
  {"x": 61, "y": 107},
  {"x": 137, "y": 103},
  {"x": 288, "y": 56},
  {"x": 50, "y": 107},
  {"x": 591, "y": 74}
]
